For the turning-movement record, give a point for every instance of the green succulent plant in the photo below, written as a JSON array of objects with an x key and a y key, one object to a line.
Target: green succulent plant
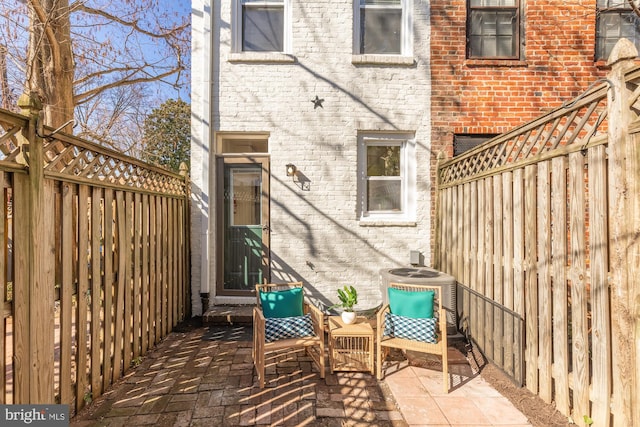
[{"x": 348, "y": 297}]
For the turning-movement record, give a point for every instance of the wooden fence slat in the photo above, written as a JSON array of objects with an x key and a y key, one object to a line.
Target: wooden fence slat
[
  {"x": 153, "y": 269},
  {"x": 108, "y": 287},
  {"x": 121, "y": 286},
  {"x": 559, "y": 290},
  {"x": 473, "y": 273},
  {"x": 499, "y": 338},
  {"x": 481, "y": 277},
  {"x": 488, "y": 268},
  {"x": 66, "y": 293},
  {"x": 579, "y": 296},
  {"x": 456, "y": 235},
  {"x": 97, "y": 328},
  {"x": 170, "y": 270},
  {"x": 21, "y": 295},
  {"x": 144, "y": 321},
  {"x": 518, "y": 260},
  {"x": 127, "y": 288},
  {"x": 137, "y": 296},
  {"x": 83, "y": 295},
  {"x": 174, "y": 261},
  {"x": 160, "y": 296},
  {"x": 177, "y": 264},
  {"x": 544, "y": 282},
  {"x": 166, "y": 316},
  {"x": 531, "y": 282},
  {"x": 507, "y": 281},
  {"x": 601, "y": 339}
]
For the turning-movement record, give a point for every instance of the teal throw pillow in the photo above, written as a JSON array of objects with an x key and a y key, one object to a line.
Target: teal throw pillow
[
  {"x": 417, "y": 305},
  {"x": 286, "y": 303}
]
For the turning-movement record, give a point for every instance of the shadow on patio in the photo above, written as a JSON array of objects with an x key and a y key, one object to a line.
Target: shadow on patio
[{"x": 203, "y": 375}]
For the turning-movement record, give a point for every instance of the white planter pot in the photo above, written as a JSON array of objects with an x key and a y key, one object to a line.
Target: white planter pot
[{"x": 348, "y": 317}]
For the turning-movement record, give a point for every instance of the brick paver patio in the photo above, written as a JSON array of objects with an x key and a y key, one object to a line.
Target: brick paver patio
[{"x": 204, "y": 376}]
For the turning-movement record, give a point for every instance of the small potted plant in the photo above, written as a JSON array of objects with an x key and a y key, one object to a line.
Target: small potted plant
[{"x": 348, "y": 297}]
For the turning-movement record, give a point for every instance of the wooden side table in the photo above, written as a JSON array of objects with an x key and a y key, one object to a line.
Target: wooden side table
[{"x": 351, "y": 347}]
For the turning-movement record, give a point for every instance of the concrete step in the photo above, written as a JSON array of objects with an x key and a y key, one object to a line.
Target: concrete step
[{"x": 228, "y": 315}]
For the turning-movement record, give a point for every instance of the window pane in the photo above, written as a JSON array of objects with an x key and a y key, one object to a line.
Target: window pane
[
  {"x": 492, "y": 34},
  {"x": 383, "y": 160},
  {"x": 492, "y": 3},
  {"x": 244, "y": 146},
  {"x": 384, "y": 195},
  {"x": 263, "y": 29},
  {"x": 380, "y": 30},
  {"x": 611, "y": 27},
  {"x": 380, "y": 2}
]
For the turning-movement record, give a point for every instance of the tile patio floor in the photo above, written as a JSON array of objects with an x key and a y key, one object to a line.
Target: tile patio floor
[{"x": 204, "y": 377}]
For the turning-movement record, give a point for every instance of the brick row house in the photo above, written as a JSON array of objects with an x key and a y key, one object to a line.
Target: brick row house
[{"x": 317, "y": 124}]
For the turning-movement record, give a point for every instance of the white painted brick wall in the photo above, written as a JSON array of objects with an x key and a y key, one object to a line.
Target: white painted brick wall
[{"x": 316, "y": 236}]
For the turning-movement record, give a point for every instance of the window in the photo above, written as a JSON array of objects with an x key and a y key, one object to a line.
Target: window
[
  {"x": 242, "y": 143},
  {"x": 382, "y": 27},
  {"x": 261, "y": 26},
  {"x": 615, "y": 20},
  {"x": 387, "y": 177},
  {"x": 462, "y": 143},
  {"x": 493, "y": 29}
]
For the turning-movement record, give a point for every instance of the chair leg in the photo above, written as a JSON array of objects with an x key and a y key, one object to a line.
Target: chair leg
[
  {"x": 260, "y": 368},
  {"x": 445, "y": 370},
  {"x": 322, "y": 360},
  {"x": 379, "y": 363}
]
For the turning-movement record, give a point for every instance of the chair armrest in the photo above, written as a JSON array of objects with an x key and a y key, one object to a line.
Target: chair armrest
[
  {"x": 380, "y": 317},
  {"x": 443, "y": 325},
  {"x": 258, "y": 320},
  {"x": 317, "y": 318}
]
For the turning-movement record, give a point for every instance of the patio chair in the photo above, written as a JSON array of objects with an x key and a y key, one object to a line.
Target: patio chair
[
  {"x": 414, "y": 320},
  {"x": 283, "y": 320}
]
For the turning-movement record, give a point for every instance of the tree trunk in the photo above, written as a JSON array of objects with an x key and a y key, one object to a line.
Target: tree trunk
[{"x": 50, "y": 60}]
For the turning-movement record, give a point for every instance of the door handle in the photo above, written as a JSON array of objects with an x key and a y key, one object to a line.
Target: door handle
[{"x": 266, "y": 228}]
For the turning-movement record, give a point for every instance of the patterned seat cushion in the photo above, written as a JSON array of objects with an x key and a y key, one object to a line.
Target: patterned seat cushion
[
  {"x": 413, "y": 329},
  {"x": 278, "y": 328}
]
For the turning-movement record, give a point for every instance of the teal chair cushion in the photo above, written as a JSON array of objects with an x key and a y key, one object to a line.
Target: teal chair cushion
[
  {"x": 413, "y": 304},
  {"x": 287, "y": 303}
]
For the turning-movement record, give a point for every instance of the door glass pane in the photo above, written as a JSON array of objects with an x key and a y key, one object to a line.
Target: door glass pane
[{"x": 245, "y": 190}]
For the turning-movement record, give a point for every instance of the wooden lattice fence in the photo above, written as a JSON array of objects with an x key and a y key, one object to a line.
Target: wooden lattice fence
[
  {"x": 94, "y": 263},
  {"x": 543, "y": 223}
]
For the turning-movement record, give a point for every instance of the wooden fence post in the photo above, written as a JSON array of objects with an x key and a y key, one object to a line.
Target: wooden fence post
[
  {"x": 624, "y": 228},
  {"x": 35, "y": 383}
]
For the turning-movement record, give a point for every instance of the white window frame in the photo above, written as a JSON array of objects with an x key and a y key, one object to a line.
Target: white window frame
[
  {"x": 406, "y": 44},
  {"x": 407, "y": 145},
  {"x": 237, "y": 30}
]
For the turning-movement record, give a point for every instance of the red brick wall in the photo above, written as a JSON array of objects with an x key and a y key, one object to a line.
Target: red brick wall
[{"x": 482, "y": 96}]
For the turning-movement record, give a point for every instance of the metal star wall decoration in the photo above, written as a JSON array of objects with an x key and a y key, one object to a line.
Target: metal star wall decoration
[{"x": 317, "y": 102}]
